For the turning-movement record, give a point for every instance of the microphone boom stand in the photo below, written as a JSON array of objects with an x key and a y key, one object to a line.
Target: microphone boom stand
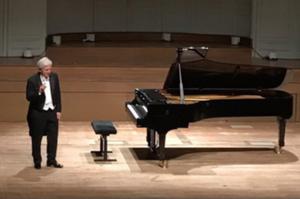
[{"x": 178, "y": 61}]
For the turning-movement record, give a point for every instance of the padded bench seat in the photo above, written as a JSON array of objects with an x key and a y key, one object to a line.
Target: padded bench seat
[{"x": 104, "y": 129}]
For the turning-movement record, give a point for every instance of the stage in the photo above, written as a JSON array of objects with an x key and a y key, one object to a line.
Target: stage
[
  {"x": 211, "y": 159},
  {"x": 218, "y": 158}
]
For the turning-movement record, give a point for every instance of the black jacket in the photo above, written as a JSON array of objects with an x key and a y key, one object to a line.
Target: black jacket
[{"x": 37, "y": 101}]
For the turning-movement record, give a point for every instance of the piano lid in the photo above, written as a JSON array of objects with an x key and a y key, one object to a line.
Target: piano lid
[{"x": 204, "y": 73}]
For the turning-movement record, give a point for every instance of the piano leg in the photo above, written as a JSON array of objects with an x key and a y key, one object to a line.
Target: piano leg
[
  {"x": 148, "y": 137},
  {"x": 151, "y": 140},
  {"x": 162, "y": 150},
  {"x": 282, "y": 126}
]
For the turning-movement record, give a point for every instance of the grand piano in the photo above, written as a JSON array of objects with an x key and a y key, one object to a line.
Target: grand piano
[{"x": 198, "y": 89}]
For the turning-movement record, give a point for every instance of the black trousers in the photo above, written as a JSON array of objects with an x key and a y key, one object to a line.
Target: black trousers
[{"x": 44, "y": 123}]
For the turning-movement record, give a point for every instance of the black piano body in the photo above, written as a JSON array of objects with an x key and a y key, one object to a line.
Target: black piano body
[{"x": 211, "y": 89}]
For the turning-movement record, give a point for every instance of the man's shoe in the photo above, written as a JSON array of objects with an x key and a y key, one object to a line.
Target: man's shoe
[
  {"x": 54, "y": 164},
  {"x": 37, "y": 165}
]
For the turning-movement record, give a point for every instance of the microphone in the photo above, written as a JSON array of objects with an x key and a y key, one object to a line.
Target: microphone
[
  {"x": 188, "y": 48},
  {"x": 194, "y": 48},
  {"x": 180, "y": 51},
  {"x": 201, "y": 51}
]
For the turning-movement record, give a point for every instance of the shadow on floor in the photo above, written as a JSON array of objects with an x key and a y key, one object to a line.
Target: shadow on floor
[
  {"x": 184, "y": 160},
  {"x": 31, "y": 174}
]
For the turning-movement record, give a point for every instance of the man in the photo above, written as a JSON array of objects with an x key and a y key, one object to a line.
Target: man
[{"x": 43, "y": 93}]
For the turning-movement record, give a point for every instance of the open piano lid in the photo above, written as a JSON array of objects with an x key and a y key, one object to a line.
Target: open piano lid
[{"x": 207, "y": 74}]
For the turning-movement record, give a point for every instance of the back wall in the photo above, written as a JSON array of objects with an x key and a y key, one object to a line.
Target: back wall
[{"x": 230, "y": 17}]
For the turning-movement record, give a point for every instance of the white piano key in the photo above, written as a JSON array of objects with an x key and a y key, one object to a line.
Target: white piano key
[
  {"x": 145, "y": 108},
  {"x": 135, "y": 115}
]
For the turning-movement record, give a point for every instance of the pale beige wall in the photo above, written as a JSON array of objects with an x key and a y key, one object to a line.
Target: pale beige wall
[
  {"x": 22, "y": 26},
  {"x": 276, "y": 27}
]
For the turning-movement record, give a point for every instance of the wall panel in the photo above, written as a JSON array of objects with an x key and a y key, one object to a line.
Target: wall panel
[{"x": 26, "y": 30}]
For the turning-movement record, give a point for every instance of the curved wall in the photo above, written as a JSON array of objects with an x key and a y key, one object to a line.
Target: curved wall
[{"x": 225, "y": 17}]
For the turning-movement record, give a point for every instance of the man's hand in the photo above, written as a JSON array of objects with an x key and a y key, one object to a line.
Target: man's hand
[
  {"x": 58, "y": 115},
  {"x": 42, "y": 88}
]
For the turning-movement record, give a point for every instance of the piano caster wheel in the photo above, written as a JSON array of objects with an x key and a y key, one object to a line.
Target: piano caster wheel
[
  {"x": 163, "y": 164},
  {"x": 278, "y": 149}
]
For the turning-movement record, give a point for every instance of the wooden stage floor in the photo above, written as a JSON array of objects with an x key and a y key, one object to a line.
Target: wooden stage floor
[{"x": 208, "y": 160}]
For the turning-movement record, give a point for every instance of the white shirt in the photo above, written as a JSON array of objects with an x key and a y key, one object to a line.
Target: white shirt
[{"x": 48, "y": 101}]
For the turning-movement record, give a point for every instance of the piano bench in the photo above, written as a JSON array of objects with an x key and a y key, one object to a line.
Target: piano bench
[{"x": 104, "y": 129}]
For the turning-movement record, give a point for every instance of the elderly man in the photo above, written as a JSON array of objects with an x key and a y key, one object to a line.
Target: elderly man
[{"x": 43, "y": 93}]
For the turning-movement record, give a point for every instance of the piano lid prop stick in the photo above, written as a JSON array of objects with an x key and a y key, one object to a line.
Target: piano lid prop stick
[
  {"x": 178, "y": 60},
  {"x": 181, "y": 90}
]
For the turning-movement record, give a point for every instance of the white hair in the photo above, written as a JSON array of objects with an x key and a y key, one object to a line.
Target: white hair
[{"x": 43, "y": 62}]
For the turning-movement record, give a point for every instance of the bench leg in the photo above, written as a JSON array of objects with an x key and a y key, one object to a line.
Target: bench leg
[
  {"x": 103, "y": 149},
  {"x": 100, "y": 152}
]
